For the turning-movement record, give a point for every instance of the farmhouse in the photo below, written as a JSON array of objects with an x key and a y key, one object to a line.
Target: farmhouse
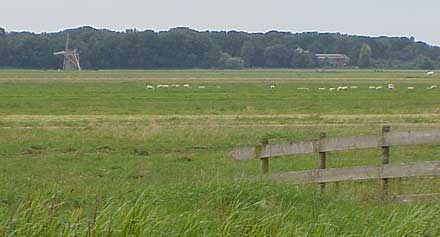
[{"x": 332, "y": 60}]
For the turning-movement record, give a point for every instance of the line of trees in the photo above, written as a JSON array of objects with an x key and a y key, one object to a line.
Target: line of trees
[{"x": 187, "y": 48}]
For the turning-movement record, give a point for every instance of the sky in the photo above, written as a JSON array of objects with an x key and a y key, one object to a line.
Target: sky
[{"x": 420, "y": 19}]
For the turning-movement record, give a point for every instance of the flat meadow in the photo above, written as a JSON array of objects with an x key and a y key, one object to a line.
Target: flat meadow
[{"x": 96, "y": 153}]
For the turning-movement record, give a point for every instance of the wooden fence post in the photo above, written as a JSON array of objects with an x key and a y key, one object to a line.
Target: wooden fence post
[
  {"x": 385, "y": 159},
  {"x": 322, "y": 156},
  {"x": 264, "y": 162}
]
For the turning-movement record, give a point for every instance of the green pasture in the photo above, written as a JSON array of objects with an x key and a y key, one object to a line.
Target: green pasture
[
  {"x": 224, "y": 74},
  {"x": 81, "y": 97},
  {"x": 81, "y": 157}
]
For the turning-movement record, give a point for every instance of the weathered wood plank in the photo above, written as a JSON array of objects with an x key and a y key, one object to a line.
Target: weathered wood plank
[
  {"x": 361, "y": 173},
  {"x": 291, "y": 148},
  {"x": 339, "y": 144},
  {"x": 416, "y": 197},
  {"x": 306, "y": 147},
  {"x": 411, "y": 138},
  {"x": 274, "y": 150},
  {"x": 349, "y": 143},
  {"x": 244, "y": 153}
]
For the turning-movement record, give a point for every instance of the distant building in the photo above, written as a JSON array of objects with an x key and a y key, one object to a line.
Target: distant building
[{"x": 333, "y": 60}]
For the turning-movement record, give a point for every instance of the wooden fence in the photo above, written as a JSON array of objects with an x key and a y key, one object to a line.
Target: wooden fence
[{"x": 324, "y": 144}]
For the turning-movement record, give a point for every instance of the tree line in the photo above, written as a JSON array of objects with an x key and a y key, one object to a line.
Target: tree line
[{"x": 182, "y": 48}]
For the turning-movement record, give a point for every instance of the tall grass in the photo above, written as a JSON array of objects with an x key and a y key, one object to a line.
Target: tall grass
[{"x": 240, "y": 209}]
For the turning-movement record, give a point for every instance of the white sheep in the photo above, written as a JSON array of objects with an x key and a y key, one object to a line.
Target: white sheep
[
  {"x": 272, "y": 86},
  {"x": 391, "y": 86},
  {"x": 342, "y": 88},
  {"x": 411, "y": 88},
  {"x": 353, "y": 87},
  {"x": 150, "y": 87},
  {"x": 372, "y": 87},
  {"x": 186, "y": 86},
  {"x": 379, "y": 87},
  {"x": 430, "y": 74},
  {"x": 432, "y": 87},
  {"x": 202, "y": 87},
  {"x": 332, "y": 89},
  {"x": 321, "y": 89},
  {"x": 175, "y": 86}
]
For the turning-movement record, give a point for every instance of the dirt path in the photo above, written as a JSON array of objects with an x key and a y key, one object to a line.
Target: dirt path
[
  {"x": 363, "y": 80},
  {"x": 214, "y": 117},
  {"x": 157, "y": 122}
]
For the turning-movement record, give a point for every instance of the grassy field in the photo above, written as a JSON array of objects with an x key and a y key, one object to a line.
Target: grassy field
[
  {"x": 97, "y": 154},
  {"x": 209, "y": 75}
]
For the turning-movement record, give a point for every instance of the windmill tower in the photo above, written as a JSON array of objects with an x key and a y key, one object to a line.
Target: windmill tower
[{"x": 71, "y": 58}]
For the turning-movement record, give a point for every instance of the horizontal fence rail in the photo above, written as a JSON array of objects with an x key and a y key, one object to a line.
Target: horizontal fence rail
[
  {"x": 264, "y": 151},
  {"x": 360, "y": 173},
  {"x": 411, "y": 138},
  {"x": 339, "y": 144},
  {"x": 416, "y": 197}
]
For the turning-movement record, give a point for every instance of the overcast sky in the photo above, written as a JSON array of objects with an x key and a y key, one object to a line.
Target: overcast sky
[{"x": 420, "y": 19}]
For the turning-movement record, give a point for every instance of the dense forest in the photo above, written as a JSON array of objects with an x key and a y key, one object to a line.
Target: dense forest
[{"x": 186, "y": 48}]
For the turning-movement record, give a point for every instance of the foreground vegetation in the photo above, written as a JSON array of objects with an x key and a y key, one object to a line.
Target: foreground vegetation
[
  {"x": 221, "y": 210},
  {"x": 98, "y": 157}
]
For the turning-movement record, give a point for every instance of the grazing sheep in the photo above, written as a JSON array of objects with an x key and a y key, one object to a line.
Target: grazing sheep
[
  {"x": 321, "y": 89},
  {"x": 432, "y": 87},
  {"x": 379, "y": 87},
  {"x": 175, "y": 86},
  {"x": 430, "y": 73},
  {"x": 391, "y": 86},
  {"x": 353, "y": 87},
  {"x": 272, "y": 86},
  {"x": 372, "y": 87},
  {"x": 411, "y": 88},
  {"x": 332, "y": 89},
  {"x": 150, "y": 87},
  {"x": 342, "y": 88},
  {"x": 202, "y": 87},
  {"x": 186, "y": 86}
]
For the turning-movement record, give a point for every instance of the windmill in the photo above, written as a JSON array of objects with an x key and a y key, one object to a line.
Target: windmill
[{"x": 71, "y": 58}]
